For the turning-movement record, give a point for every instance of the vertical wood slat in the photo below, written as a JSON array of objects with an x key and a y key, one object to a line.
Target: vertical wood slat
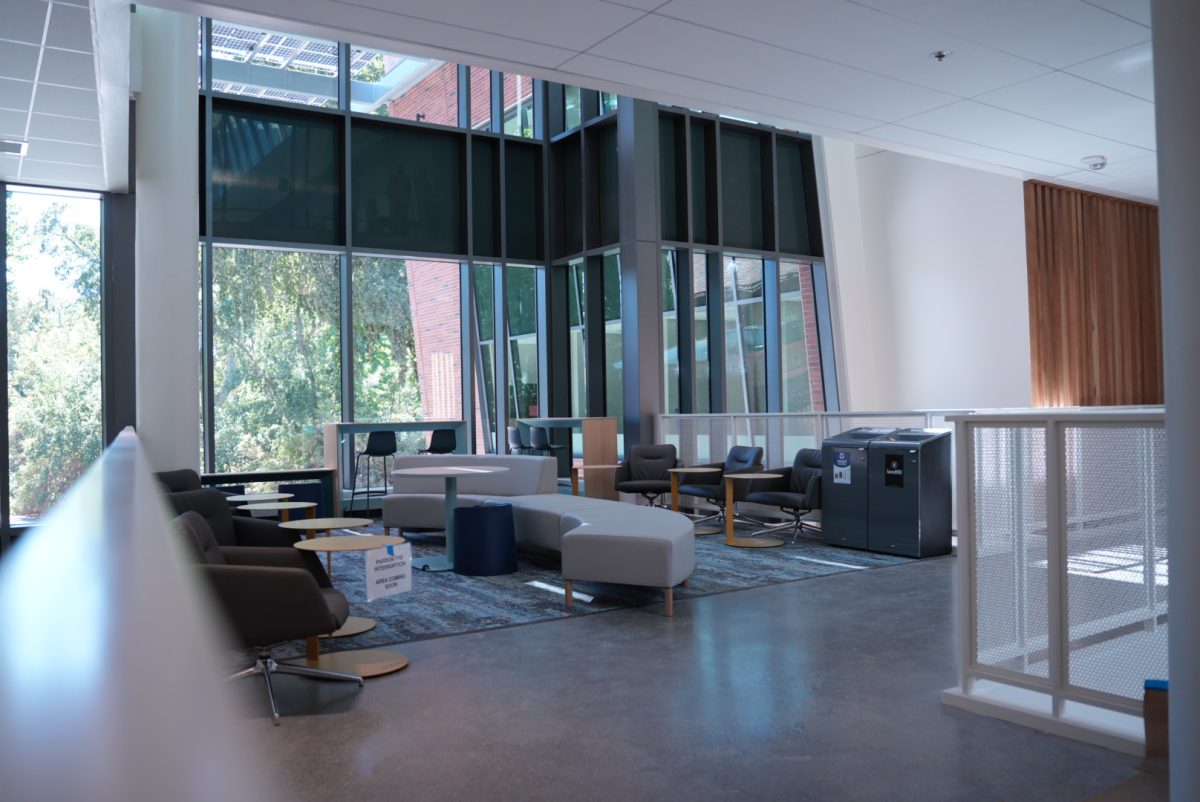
[{"x": 1095, "y": 311}]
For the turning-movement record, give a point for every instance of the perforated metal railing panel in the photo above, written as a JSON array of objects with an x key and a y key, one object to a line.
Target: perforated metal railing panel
[
  {"x": 1009, "y": 554},
  {"x": 1116, "y": 557}
]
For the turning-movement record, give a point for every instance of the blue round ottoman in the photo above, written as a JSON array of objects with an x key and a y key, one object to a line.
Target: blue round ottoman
[{"x": 484, "y": 541}]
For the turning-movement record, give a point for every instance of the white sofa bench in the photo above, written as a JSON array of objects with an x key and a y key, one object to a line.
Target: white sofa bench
[{"x": 600, "y": 540}]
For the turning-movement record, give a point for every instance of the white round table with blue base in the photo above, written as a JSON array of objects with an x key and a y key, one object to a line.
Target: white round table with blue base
[{"x": 450, "y": 473}]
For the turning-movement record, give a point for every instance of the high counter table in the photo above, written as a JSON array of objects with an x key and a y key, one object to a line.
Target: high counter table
[
  {"x": 599, "y": 444},
  {"x": 450, "y": 473}
]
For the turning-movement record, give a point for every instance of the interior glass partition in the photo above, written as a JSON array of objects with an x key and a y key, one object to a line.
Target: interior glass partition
[
  {"x": 53, "y": 276},
  {"x": 276, "y": 356}
]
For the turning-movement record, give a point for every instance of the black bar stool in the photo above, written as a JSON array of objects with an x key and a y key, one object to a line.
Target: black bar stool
[
  {"x": 379, "y": 444},
  {"x": 441, "y": 441},
  {"x": 539, "y": 440},
  {"x": 516, "y": 443}
]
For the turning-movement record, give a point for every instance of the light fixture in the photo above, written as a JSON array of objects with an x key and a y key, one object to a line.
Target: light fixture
[
  {"x": 13, "y": 147},
  {"x": 941, "y": 55},
  {"x": 1097, "y": 162}
]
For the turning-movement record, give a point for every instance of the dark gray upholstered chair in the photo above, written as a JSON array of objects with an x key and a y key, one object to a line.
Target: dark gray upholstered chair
[
  {"x": 797, "y": 492},
  {"x": 229, "y": 529},
  {"x": 516, "y": 443},
  {"x": 711, "y": 484},
  {"x": 441, "y": 441},
  {"x": 268, "y": 596},
  {"x": 539, "y": 440},
  {"x": 644, "y": 471}
]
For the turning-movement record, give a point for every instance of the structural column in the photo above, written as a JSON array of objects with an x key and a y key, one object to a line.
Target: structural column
[
  {"x": 1176, "y": 25},
  {"x": 167, "y": 318}
]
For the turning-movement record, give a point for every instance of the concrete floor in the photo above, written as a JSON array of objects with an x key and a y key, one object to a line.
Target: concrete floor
[{"x": 825, "y": 689}]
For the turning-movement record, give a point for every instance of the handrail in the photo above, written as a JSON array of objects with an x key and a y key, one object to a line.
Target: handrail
[{"x": 109, "y": 676}]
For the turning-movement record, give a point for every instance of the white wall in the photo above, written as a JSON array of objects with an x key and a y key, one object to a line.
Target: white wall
[
  {"x": 166, "y": 267},
  {"x": 930, "y": 294}
]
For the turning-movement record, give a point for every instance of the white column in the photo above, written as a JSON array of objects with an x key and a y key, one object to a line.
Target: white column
[
  {"x": 1176, "y": 26},
  {"x": 167, "y": 272}
]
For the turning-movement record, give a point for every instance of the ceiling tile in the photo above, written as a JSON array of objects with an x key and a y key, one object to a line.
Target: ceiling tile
[
  {"x": 852, "y": 34},
  {"x": 15, "y": 95},
  {"x": 12, "y": 123},
  {"x": 64, "y": 152},
  {"x": 70, "y": 28},
  {"x": 1130, "y": 70},
  {"x": 697, "y": 94},
  {"x": 18, "y": 60},
  {"x": 571, "y": 24},
  {"x": 64, "y": 129},
  {"x": 66, "y": 102},
  {"x": 24, "y": 20},
  {"x": 1072, "y": 102},
  {"x": 672, "y": 46},
  {"x": 68, "y": 68},
  {"x": 71, "y": 174},
  {"x": 1053, "y": 32},
  {"x": 1004, "y": 130},
  {"x": 967, "y": 150},
  {"x": 644, "y": 5},
  {"x": 1136, "y": 10}
]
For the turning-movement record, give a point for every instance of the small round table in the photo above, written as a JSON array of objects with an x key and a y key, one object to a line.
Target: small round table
[
  {"x": 251, "y": 498},
  {"x": 575, "y": 469},
  {"x": 745, "y": 542},
  {"x": 284, "y": 508},
  {"x": 675, "y": 474},
  {"x": 319, "y": 526},
  {"x": 450, "y": 473},
  {"x": 363, "y": 662}
]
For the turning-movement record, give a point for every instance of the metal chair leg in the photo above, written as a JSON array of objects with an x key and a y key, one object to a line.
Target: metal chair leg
[
  {"x": 266, "y": 674},
  {"x": 317, "y": 673}
]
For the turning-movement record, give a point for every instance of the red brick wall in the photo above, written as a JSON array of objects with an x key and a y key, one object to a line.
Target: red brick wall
[
  {"x": 435, "y": 98},
  {"x": 812, "y": 342}
]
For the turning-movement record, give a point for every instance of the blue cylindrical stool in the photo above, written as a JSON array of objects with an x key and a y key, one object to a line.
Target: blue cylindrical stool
[{"x": 484, "y": 541}]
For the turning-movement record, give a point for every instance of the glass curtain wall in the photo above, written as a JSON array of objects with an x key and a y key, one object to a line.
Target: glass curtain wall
[
  {"x": 802, "y": 382},
  {"x": 576, "y": 320},
  {"x": 614, "y": 381},
  {"x": 484, "y": 354},
  {"x": 745, "y": 341},
  {"x": 670, "y": 330},
  {"x": 520, "y": 297},
  {"x": 699, "y": 300},
  {"x": 53, "y": 277}
]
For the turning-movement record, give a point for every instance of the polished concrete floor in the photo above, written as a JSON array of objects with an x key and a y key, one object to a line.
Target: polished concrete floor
[{"x": 825, "y": 689}]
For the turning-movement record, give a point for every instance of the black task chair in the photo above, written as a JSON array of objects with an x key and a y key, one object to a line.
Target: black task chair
[
  {"x": 644, "y": 471},
  {"x": 441, "y": 441},
  {"x": 379, "y": 444},
  {"x": 539, "y": 440},
  {"x": 711, "y": 484},
  {"x": 797, "y": 491},
  {"x": 268, "y": 596},
  {"x": 516, "y": 443}
]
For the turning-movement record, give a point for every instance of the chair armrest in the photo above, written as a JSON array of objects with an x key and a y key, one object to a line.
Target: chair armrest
[
  {"x": 623, "y": 473},
  {"x": 813, "y": 493},
  {"x": 267, "y": 605},
  {"x": 257, "y": 532},
  {"x": 272, "y": 557}
]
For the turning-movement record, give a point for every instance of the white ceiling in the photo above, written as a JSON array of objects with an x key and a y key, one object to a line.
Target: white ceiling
[{"x": 1032, "y": 86}]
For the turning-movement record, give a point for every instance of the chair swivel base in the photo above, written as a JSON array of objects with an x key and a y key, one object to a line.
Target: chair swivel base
[
  {"x": 265, "y": 666},
  {"x": 797, "y": 528}
]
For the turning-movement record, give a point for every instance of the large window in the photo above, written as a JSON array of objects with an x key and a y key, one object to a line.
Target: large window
[
  {"x": 745, "y": 336},
  {"x": 576, "y": 320},
  {"x": 802, "y": 384},
  {"x": 55, "y": 429},
  {"x": 404, "y": 87},
  {"x": 484, "y": 352},
  {"x": 276, "y": 357},
  {"x": 670, "y": 331},
  {"x": 247, "y": 60},
  {"x": 614, "y": 386},
  {"x": 520, "y": 291},
  {"x": 518, "y": 105}
]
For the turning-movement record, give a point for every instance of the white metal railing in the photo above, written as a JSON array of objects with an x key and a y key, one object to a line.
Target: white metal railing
[{"x": 1062, "y": 549}]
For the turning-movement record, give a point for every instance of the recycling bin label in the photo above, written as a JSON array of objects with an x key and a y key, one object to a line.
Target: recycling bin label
[
  {"x": 841, "y": 467},
  {"x": 893, "y": 470}
]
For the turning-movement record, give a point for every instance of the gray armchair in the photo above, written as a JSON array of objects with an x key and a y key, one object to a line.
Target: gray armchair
[
  {"x": 186, "y": 495},
  {"x": 268, "y": 596},
  {"x": 644, "y": 471},
  {"x": 711, "y": 484},
  {"x": 797, "y": 491}
]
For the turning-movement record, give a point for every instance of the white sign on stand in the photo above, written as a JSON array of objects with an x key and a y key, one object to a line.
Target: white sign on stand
[{"x": 389, "y": 571}]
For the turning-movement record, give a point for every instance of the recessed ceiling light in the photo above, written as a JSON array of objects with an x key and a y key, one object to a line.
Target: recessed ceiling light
[
  {"x": 1095, "y": 162},
  {"x": 14, "y": 147},
  {"x": 941, "y": 55}
]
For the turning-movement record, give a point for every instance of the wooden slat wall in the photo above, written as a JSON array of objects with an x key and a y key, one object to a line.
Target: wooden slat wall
[{"x": 1095, "y": 309}]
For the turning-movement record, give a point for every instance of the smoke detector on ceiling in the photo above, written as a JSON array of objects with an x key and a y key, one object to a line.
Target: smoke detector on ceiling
[
  {"x": 13, "y": 147},
  {"x": 1095, "y": 162},
  {"x": 941, "y": 55}
]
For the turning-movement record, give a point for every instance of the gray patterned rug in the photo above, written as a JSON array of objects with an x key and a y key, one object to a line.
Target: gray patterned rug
[{"x": 448, "y": 604}]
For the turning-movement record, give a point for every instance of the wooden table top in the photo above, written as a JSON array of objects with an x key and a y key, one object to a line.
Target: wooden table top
[
  {"x": 275, "y": 506},
  {"x": 590, "y": 467},
  {"x": 697, "y": 469},
  {"x": 327, "y": 523},
  {"x": 253, "y": 497},
  {"x": 349, "y": 543},
  {"x": 754, "y": 476}
]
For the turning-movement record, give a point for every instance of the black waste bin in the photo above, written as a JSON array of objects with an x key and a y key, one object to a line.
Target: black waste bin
[
  {"x": 844, "y": 486},
  {"x": 484, "y": 541},
  {"x": 910, "y": 490}
]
